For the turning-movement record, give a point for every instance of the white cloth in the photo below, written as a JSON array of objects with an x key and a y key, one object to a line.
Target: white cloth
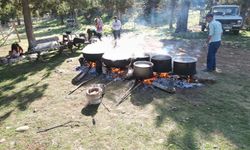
[
  {"x": 215, "y": 31},
  {"x": 116, "y": 25}
]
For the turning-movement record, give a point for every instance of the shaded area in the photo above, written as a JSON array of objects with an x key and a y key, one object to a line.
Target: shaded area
[
  {"x": 221, "y": 109},
  {"x": 209, "y": 110},
  {"x": 90, "y": 110},
  {"x": 17, "y": 90},
  {"x": 6, "y": 115},
  {"x": 49, "y": 32},
  {"x": 142, "y": 96}
]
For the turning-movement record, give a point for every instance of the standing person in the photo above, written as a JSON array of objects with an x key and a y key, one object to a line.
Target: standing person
[
  {"x": 116, "y": 27},
  {"x": 99, "y": 26},
  {"x": 213, "y": 42}
]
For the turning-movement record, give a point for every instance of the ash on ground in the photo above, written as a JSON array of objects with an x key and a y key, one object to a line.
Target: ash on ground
[{"x": 178, "y": 83}]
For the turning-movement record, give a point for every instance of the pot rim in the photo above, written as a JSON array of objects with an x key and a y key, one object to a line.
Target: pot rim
[
  {"x": 184, "y": 59},
  {"x": 143, "y": 62},
  {"x": 100, "y": 53},
  {"x": 154, "y": 57}
]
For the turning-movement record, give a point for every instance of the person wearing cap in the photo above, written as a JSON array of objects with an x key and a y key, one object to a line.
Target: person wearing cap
[
  {"x": 213, "y": 42},
  {"x": 116, "y": 28}
]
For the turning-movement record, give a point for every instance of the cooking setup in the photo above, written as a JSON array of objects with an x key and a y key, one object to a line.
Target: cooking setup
[{"x": 158, "y": 71}]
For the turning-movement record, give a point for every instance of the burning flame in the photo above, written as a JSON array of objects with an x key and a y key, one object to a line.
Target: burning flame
[
  {"x": 117, "y": 72},
  {"x": 156, "y": 76},
  {"x": 190, "y": 79},
  {"x": 92, "y": 64},
  {"x": 149, "y": 81},
  {"x": 164, "y": 75}
]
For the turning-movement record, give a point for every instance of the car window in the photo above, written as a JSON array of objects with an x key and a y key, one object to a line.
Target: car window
[{"x": 225, "y": 11}]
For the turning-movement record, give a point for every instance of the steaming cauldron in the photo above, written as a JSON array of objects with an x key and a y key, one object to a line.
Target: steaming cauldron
[
  {"x": 162, "y": 63},
  {"x": 184, "y": 65},
  {"x": 116, "y": 59},
  {"x": 143, "y": 69}
]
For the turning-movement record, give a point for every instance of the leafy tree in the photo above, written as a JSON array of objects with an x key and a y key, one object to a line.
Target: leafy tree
[
  {"x": 150, "y": 9},
  {"x": 7, "y": 11},
  {"x": 116, "y": 7},
  {"x": 62, "y": 10}
]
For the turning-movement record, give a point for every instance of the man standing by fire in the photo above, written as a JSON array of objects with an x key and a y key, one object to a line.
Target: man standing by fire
[
  {"x": 116, "y": 28},
  {"x": 213, "y": 42}
]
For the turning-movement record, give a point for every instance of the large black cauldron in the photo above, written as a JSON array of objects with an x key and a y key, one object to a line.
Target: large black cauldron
[
  {"x": 143, "y": 69},
  {"x": 162, "y": 63},
  {"x": 184, "y": 65}
]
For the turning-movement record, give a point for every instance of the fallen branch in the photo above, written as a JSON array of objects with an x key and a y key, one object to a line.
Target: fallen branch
[
  {"x": 123, "y": 98},
  {"x": 105, "y": 107},
  {"x": 61, "y": 125},
  {"x": 81, "y": 85}
]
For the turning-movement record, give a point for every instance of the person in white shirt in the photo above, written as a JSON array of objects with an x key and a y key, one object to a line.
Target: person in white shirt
[
  {"x": 213, "y": 42},
  {"x": 116, "y": 28}
]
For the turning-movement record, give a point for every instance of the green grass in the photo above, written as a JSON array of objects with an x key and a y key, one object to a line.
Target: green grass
[{"x": 216, "y": 116}]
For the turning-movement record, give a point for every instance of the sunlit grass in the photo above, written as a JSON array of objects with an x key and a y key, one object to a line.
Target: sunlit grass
[{"x": 213, "y": 117}]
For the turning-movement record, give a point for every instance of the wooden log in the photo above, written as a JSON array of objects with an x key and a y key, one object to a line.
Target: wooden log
[{"x": 171, "y": 90}]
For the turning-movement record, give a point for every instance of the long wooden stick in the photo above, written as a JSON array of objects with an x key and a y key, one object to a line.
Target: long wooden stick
[
  {"x": 123, "y": 98},
  {"x": 81, "y": 85},
  {"x": 61, "y": 125},
  {"x": 105, "y": 107},
  {"x": 45, "y": 130}
]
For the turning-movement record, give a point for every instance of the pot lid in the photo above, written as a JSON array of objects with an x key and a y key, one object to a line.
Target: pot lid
[{"x": 185, "y": 59}]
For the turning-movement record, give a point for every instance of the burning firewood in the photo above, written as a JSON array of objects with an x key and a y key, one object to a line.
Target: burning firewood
[{"x": 171, "y": 90}]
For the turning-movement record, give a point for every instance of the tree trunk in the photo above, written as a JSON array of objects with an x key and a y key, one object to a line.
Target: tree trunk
[
  {"x": 172, "y": 9},
  {"x": 245, "y": 5},
  {"x": 28, "y": 24},
  {"x": 18, "y": 20},
  {"x": 182, "y": 21},
  {"x": 62, "y": 19}
]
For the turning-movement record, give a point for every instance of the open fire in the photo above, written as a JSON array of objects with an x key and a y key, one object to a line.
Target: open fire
[
  {"x": 155, "y": 77},
  {"x": 121, "y": 63},
  {"x": 163, "y": 79}
]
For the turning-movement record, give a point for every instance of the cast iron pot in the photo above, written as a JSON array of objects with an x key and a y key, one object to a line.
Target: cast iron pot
[
  {"x": 143, "y": 69},
  {"x": 92, "y": 56},
  {"x": 123, "y": 63},
  {"x": 162, "y": 63},
  {"x": 184, "y": 65}
]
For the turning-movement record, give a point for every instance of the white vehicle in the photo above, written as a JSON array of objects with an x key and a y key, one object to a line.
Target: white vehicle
[{"x": 228, "y": 16}]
